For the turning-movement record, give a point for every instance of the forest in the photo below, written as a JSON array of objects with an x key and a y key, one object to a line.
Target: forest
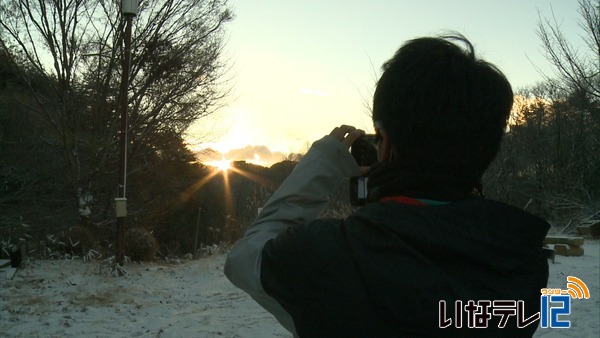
[{"x": 60, "y": 72}]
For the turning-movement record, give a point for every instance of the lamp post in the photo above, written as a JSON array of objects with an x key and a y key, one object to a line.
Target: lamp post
[{"x": 129, "y": 9}]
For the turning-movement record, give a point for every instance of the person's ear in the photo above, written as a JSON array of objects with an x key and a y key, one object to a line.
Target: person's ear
[{"x": 384, "y": 147}]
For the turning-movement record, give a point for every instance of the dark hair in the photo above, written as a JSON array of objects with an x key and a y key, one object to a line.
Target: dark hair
[{"x": 444, "y": 110}]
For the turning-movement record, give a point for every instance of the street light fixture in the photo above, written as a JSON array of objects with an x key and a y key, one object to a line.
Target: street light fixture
[{"x": 129, "y": 9}]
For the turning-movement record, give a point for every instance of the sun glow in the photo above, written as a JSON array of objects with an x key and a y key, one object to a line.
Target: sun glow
[
  {"x": 224, "y": 170},
  {"x": 223, "y": 165}
]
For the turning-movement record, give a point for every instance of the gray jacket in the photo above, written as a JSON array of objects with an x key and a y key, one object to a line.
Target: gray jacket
[{"x": 299, "y": 200}]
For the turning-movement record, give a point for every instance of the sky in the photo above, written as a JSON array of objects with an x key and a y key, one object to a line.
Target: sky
[{"x": 300, "y": 68}]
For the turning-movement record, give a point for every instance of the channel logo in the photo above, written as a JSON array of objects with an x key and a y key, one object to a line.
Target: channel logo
[
  {"x": 555, "y": 306},
  {"x": 577, "y": 288},
  {"x": 550, "y": 315}
]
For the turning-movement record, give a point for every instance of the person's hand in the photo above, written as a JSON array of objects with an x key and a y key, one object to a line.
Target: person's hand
[{"x": 347, "y": 135}]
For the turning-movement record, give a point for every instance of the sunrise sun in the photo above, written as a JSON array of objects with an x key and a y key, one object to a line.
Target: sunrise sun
[{"x": 222, "y": 165}]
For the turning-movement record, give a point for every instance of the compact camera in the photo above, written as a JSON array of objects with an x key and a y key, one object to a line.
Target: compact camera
[{"x": 364, "y": 151}]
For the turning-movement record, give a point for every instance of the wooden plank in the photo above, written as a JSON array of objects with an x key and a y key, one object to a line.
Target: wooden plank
[
  {"x": 570, "y": 240},
  {"x": 565, "y": 250},
  {"x": 590, "y": 229}
]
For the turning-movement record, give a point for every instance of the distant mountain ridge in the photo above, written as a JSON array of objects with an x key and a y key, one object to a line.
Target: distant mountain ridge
[{"x": 259, "y": 154}]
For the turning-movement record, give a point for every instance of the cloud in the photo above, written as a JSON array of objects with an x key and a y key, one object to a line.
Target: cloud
[
  {"x": 314, "y": 92},
  {"x": 260, "y": 155}
]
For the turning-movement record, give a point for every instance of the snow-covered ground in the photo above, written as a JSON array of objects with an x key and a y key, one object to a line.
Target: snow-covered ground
[{"x": 67, "y": 298}]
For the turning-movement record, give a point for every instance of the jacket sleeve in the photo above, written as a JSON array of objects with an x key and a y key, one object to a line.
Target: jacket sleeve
[{"x": 298, "y": 201}]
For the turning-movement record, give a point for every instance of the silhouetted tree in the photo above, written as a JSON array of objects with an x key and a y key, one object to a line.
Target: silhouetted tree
[
  {"x": 549, "y": 159},
  {"x": 577, "y": 67},
  {"x": 60, "y": 62},
  {"x": 31, "y": 188},
  {"x": 75, "y": 48}
]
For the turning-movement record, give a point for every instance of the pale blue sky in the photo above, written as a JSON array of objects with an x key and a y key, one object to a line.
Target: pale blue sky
[{"x": 301, "y": 67}]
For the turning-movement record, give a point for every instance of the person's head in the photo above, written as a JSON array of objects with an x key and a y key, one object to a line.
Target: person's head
[{"x": 440, "y": 109}]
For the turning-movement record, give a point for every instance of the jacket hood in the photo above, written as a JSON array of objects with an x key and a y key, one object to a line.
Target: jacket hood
[{"x": 472, "y": 249}]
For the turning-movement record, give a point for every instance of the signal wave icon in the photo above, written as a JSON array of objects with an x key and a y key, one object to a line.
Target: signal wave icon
[{"x": 577, "y": 288}]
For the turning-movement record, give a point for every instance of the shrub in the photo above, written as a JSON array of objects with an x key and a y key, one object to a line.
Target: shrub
[{"x": 140, "y": 245}]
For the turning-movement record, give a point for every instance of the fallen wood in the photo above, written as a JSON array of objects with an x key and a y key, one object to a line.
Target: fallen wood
[
  {"x": 590, "y": 229},
  {"x": 565, "y": 250},
  {"x": 570, "y": 240},
  {"x": 565, "y": 245}
]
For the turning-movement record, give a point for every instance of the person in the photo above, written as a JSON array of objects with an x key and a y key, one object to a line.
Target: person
[{"x": 426, "y": 257}]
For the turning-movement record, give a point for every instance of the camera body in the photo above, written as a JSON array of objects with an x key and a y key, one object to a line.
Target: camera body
[{"x": 364, "y": 151}]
